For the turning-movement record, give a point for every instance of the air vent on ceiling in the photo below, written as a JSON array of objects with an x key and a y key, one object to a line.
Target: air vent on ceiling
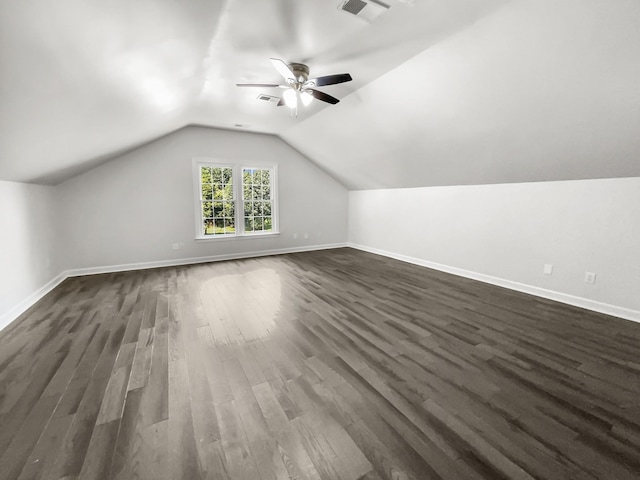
[
  {"x": 367, "y": 10},
  {"x": 268, "y": 98},
  {"x": 353, "y": 6}
]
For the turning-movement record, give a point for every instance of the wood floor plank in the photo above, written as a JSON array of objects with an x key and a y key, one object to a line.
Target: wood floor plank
[
  {"x": 44, "y": 454},
  {"x": 15, "y": 456},
  {"x": 184, "y": 461},
  {"x": 326, "y": 365},
  {"x": 126, "y": 460},
  {"x": 97, "y": 462}
]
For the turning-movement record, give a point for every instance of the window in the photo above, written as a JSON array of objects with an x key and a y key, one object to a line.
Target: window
[
  {"x": 218, "y": 205},
  {"x": 256, "y": 198},
  {"x": 234, "y": 200}
]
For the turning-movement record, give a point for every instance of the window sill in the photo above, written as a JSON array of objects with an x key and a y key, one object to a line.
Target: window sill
[{"x": 213, "y": 238}]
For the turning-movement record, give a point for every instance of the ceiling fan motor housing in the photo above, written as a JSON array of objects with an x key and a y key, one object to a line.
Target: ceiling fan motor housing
[{"x": 301, "y": 71}]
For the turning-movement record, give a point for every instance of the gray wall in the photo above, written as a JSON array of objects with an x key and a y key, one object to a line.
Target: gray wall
[{"x": 132, "y": 209}]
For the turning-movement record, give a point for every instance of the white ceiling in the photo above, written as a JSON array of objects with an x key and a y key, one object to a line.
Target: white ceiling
[
  {"x": 444, "y": 91},
  {"x": 539, "y": 90}
]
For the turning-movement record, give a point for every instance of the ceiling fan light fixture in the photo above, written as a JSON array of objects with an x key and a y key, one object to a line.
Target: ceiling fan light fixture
[
  {"x": 300, "y": 86},
  {"x": 290, "y": 98},
  {"x": 306, "y": 98}
]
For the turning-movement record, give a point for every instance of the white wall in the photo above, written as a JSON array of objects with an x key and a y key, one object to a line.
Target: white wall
[
  {"x": 132, "y": 209},
  {"x": 509, "y": 231},
  {"x": 27, "y": 241}
]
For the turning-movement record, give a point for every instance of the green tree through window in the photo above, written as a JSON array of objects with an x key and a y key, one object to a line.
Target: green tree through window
[
  {"x": 235, "y": 200},
  {"x": 218, "y": 205},
  {"x": 256, "y": 196}
]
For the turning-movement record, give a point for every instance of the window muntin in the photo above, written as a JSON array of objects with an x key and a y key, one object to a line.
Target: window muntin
[{"x": 234, "y": 200}]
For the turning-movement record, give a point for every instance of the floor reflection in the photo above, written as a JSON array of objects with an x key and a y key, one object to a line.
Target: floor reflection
[{"x": 241, "y": 308}]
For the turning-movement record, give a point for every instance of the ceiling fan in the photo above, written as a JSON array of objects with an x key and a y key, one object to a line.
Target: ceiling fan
[{"x": 299, "y": 86}]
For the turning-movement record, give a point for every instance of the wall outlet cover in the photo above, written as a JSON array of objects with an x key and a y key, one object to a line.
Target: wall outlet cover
[{"x": 548, "y": 269}]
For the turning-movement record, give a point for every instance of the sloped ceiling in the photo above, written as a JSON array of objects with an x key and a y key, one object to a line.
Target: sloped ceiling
[
  {"x": 444, "y": 92},
  {"x": 539, "y": 90}
]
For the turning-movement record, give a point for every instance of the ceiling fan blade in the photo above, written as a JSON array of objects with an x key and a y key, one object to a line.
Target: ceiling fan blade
[
  {"x": 322, "y": 96},
  {"x": 265, "y": 85},
  {"x": 329, "y": 80},
  {"x": 280, "y": 103},
  {"x": 283, "y": 69}
]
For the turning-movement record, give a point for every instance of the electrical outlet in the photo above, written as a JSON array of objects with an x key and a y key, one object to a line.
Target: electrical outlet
[
  {"x": 589, "y": 277},
  {"x": 295, "y": 235},
  {"x": 306, "y": 235},
  {"x": 548, "y": 269},
  {"x": 175, "y": 246}
]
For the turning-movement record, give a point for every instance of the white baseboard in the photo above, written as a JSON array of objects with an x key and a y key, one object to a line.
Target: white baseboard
[
  {"x": 8, "y": 317},
  {"x": 19, "y": 309},
  {"x": 190, "y": 261},
  {"x": 15, "y": 312},
  {"x": 616, "y": 311}
]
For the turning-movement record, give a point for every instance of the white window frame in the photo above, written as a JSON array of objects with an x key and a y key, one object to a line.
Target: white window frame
[{"x": 237, "y": 168}]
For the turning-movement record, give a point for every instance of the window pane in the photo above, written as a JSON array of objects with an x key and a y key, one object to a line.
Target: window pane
[
  {"x": 248, "y": 224},
  {"x": 229, "y": 209},
  {"x": 266, "y": 177},
  {"x": 247, "y": 209},
  {"x": 207, "y": 191},
  {"x": 258, "y": 208},
  {"x": 216, "y": 175},
  {"x": 257, "y": 223},
  {"x": 218, "y": 209},
  {"x": 267, "y": 224},
  {"x": 207, "y": 209},
  {"x": 218, "y": 191},
  {"x": 266, "y": 208},
  {"x": 227, "y": 176},
  {"x": 219, "y": 226},
  {"x": 266, "y": 192},
  {"x": 257, "y": 192},
  {"x": 229, "y": 225},
  {"x": 205, "y": 174},
  {"x": 227, "y": 192},
  {"x": 208, "y": 227},
  {"x": 257, "y": 177}
]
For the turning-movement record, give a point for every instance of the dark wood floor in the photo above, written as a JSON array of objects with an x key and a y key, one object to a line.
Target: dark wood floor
[{"x": 324, "y": 365}]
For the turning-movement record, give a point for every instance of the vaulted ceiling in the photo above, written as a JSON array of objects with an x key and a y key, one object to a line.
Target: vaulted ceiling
[{"x": 444, "y": 91}]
